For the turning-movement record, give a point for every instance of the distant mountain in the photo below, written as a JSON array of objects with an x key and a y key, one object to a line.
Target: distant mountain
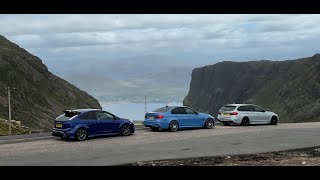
[
  {"x": 39, "y": 96},
  {"x": 290, "y": 88},
  {"x": 165, "y": 78}
]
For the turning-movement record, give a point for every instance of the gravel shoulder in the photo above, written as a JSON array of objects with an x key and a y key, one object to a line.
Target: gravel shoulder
[{"x": 296, "y": 157}]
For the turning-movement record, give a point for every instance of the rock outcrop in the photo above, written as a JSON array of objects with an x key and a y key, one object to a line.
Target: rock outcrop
[{"x": 290, "y": 88}]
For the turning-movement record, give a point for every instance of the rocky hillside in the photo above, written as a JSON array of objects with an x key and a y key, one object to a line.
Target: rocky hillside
[
  {"x": 39, "y": 96},
  {"x": 290, "y": 88}
]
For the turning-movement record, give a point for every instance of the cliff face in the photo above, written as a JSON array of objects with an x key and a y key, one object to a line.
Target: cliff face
[
  {"x": 39, "y": 96},
  {"x": 289, "y": 88}
]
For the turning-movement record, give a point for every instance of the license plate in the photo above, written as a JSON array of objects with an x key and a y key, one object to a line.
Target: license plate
[
  {"x": 59, "y": 125},
  {"x": 225, "y": 114},
  {"x": 151, "y": 118}
]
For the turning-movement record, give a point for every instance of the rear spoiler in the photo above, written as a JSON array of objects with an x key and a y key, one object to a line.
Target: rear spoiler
[{"x": 71, "y": 111}]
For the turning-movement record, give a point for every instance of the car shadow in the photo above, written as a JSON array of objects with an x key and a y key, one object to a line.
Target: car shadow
[
  {"x": 237, "y": 125},
  {"x": 184, "y": 129},
  {"x": 93, "y": 138}
]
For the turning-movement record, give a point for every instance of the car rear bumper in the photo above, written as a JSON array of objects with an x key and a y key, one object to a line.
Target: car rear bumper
[
  {"x": 156, "y": 124},
  {"x": 62, "y": 133},
  {"x": 232, "y": 120}
]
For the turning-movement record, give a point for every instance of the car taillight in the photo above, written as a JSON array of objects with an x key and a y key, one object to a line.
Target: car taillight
[
  {"x": 234, "y": 113},
  {"x": 219, "y": 113},
  {"x": 159, "y": 116}
]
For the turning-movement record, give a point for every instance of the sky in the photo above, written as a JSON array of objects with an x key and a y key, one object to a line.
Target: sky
[{"x": 205, "y": 38}]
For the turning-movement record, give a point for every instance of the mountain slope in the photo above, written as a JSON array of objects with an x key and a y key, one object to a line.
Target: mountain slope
[
  {"x": 290, "y": 88},
  {"x": 39, "y": 96}
]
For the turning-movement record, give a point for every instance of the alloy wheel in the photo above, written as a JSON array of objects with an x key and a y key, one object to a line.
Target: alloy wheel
[
  {"x": 125, "y": 130},
  {"x": 209, "y": 123},
  {"x": 81, "y": 134},
  {"x": 174, "y": 126}
]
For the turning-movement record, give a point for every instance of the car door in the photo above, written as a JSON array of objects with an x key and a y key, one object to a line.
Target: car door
[
  {"x": 260, "y": 115},
  {"x": 106, "y": 122},
  {"x": 180, "y": 115},
  {"x": 193, "y": 118},
  {"x": 265, "y": 116},
  {"x": 89, "y": 119},
  {"x": 252, "y": 114}
]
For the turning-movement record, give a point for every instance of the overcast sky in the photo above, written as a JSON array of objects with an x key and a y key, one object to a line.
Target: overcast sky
[{"x": 205, "y": 38}]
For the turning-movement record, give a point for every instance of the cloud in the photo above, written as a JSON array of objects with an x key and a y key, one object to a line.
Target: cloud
[{"x": 54, "y": 37}]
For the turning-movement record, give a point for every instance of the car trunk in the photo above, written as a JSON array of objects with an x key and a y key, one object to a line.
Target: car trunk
[{"x": 153, "y": 116}]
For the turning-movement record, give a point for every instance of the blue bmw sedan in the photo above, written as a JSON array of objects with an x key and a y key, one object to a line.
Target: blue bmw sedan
[
  {"x": 83, "y": 123},
  {"x": 177, "y": 117}
]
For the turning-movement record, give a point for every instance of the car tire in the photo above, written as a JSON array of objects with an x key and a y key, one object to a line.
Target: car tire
[
  {"x": 81, "y": 134},
  {"x": 209, "y": 124},
  {"x": 245, "y": 121},
  {"x": 173, "y": 126},
  {"x": 154, "y": 128},
  {"x": 274, "y": 120},
  {"x": 226, "y": 123},
  {"x": 125, "y": 130}
]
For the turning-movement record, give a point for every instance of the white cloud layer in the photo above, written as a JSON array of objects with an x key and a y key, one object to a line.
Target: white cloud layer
[{"x": 208, "y": 37}]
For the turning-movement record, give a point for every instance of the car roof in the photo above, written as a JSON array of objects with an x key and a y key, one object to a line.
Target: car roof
[
  {"x": 174, "y": 106},
  {"x": 171, "y": 107},
  {"x": 240, "y": 105},
  {"x": 83, "y": 110}
]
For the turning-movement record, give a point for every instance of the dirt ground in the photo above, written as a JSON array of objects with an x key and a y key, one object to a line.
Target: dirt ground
[{"x": 297, "y": 157}]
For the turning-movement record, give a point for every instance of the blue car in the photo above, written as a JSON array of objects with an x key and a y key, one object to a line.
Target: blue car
[
  {"x": 83, "y": 123},
  {"x": 177, "y": 117}
]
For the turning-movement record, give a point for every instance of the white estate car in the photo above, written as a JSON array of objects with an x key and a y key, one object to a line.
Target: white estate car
[{"x": 246, "y": 114}]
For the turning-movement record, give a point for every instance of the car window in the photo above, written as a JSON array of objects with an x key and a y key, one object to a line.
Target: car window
[
  {"x": 67, "y": 115},
  {"x": 251, "y": 108},
  {"x": 92, "y": 115},
  {"x": 257, "y": 109},
  {"x": 189, "y": 111},
  {"x": 104, "y": 116},
  {"x": 227, "y": 108},
  {"x": 244, "y": 108},
  {"x": 179, "y": 110},
  {"x": 162, "y": 109}
]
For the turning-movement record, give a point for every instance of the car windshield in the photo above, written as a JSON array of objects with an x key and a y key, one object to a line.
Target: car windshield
[
  {"x": 228, "y": 108},
  {"x": 162, "y": 110},
  {"x": 67, "y": 115}
]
